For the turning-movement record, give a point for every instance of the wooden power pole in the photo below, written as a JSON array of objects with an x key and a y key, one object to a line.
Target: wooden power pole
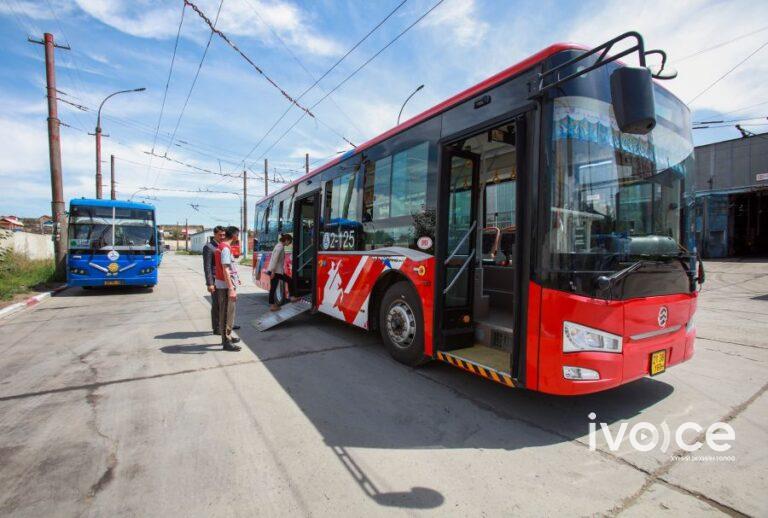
[
  {"x": 306, "y": 163},
  {"x": 60, "y": 240},
  {"x": 112, "y": 191}
]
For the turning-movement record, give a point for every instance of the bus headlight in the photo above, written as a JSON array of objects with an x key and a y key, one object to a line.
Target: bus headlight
[{"x": 582, "y": 338}]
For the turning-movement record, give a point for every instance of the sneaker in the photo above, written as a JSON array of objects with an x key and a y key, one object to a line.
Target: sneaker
[
  {"x": 234, "y": 340},
  {"x": 235, "y": 328},
  {"x": 230, "y": 347}
]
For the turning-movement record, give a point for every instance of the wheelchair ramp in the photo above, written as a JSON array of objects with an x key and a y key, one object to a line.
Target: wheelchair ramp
[{"x": 287, "y": 311}]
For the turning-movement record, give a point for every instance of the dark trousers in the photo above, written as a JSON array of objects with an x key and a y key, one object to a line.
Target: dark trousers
[
  {"x": 215, "y": 313},
  {"x": 226, "y": 314},
  {"x": 273, "y": 283}
]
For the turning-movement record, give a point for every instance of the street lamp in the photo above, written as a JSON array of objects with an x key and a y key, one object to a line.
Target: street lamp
[
  {"x": 406, "y": 102},
  {"x": 98, "y": 137}
]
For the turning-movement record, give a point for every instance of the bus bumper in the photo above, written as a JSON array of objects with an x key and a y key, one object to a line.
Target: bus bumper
[
  {"x": 629, "y": 319},
  {"x": 143, "y": 280}
]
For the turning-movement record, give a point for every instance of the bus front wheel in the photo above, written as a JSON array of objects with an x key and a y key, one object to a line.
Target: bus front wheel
[{"x": 402, "y": 325}]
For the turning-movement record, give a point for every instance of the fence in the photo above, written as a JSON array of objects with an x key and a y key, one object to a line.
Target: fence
[{"x": 34, "y": 246}]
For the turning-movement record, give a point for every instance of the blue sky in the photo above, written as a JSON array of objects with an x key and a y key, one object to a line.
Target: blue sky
[{"x": 119, "y": 44}]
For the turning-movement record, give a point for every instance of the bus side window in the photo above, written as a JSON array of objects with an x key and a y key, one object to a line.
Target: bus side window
[
  {"x": 377, "y": 189},
  {"x": 409, "y": 181},
  {"x": 341, "y": 227}
]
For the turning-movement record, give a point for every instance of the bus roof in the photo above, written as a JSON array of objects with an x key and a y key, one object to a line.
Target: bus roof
[
  {"x": 92, "y": 202},
  {"x": 448, "y": 103}
]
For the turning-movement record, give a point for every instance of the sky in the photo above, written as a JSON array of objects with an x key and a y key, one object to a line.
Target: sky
[{"x": 118, "y": 45}]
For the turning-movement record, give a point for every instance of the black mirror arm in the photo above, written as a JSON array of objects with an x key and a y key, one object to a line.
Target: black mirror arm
[
  {"x": 663, "y": 63},
  {"x": 603, "y": 59}
]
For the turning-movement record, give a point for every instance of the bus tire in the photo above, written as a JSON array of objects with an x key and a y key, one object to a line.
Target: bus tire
[{"x": 402, "y": 324}]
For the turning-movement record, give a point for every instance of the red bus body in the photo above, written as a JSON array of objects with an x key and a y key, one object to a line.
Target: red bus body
[{"x": 347, "y": 286}]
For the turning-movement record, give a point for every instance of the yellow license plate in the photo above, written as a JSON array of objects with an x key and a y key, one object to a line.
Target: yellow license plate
[
  {"x": 112, "y": 283},
  {"x": 658, "y": 362}
]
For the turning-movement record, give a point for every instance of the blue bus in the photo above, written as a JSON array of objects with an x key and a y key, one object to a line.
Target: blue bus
[{"x": 112, "y": 243}]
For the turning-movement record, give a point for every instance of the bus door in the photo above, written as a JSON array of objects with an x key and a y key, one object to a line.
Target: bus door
[
  {"x": 306, "y": 223},
  {"x": 458, "y": 230}
]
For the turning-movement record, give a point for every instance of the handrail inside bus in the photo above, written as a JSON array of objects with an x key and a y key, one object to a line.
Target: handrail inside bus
[
  {"x": 461, "y": 270},
  {"x": 471, "y": 229}
]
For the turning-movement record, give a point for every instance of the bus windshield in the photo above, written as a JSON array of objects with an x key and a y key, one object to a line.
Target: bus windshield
[
  {"x": 106, "y": 228},
  {"x": 613, "y": 196}
]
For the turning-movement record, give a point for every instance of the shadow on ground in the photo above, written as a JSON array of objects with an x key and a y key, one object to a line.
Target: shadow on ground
[{"x": 356, "y": 396}]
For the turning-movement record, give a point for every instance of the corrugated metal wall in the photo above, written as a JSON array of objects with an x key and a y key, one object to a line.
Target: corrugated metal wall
[{"x": 733, "y": 164}]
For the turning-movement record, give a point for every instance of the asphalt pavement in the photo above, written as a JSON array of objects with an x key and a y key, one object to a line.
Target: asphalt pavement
[{"x": 121, "y": 403}]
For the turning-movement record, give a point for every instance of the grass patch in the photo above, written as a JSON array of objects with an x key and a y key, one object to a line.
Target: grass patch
[{"x": 18, "y": 274}]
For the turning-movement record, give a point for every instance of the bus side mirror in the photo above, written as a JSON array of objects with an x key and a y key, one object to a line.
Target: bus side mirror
[{"x": 632, "y": 99}]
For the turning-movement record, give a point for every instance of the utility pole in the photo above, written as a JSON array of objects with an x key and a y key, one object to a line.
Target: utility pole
[
  {"x": 245, "y": 214},
  {"x": 266, "y": 177},
  {"x": 60, "y": 240},
  {"x": 97, "y": 132},
  {"x": 112, "y": 191},
  {"x": 186, "y": 234},
  {"x": 306, "y": 163}
]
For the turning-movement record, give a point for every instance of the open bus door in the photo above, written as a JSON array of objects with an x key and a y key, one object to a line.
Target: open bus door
[
  {"x": 478, "y": 295},
  {"x": 306, "y": 225},
  {"x": 458, "y": 185}
]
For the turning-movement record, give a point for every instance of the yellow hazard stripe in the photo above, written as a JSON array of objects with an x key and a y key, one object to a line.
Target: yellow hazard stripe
[{"x": 485, "y": 372}]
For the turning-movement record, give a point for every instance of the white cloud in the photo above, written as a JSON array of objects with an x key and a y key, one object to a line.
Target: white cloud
[
  {"x": 460, "y": 20},
  {"x": 683, "y": 28},
  {"x": 250, "y": 18}
]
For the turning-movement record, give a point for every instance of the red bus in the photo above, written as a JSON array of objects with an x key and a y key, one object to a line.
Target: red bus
[{"x": 535, "y": 229}]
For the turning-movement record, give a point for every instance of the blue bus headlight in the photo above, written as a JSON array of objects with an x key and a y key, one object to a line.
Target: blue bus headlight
[
  {"x": 145, "y": 271},
  {"x": 582, "y": 338}
]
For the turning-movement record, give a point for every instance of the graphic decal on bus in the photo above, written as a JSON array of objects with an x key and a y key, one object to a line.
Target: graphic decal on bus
[{"x": 348, "y": 284}]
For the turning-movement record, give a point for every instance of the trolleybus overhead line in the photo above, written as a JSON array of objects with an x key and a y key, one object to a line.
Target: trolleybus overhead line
[
  {"x": 165, "y": 91},
  {"x": 301, "y": 63},
  {"x": 737, "y": 65},
  {"x": 194, "y": 80},
  {"x": 323, "y": 76},
  {"x": 229, "y": 42},
  {"x": 350, "y": 76}
]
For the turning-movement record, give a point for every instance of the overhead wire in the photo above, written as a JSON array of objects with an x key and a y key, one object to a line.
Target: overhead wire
[
  {"x": 323, "y": 76},
  {"x": 721, "y": 44},
  {"x": 351, "y": 75},
  {"x": 194, "y": 80},
  {"x": 167, "y": 84},
  {"x": 229, "y": 42},
  {"x": 737, "y": 65}
]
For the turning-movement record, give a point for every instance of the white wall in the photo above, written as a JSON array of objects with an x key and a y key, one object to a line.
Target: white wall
[
  {"x": 34, "y": 246},
  {"x": 198, "y": 241}
]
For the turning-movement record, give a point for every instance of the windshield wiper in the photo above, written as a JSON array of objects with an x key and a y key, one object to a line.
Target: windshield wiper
[{"x": 606, "y": 282}]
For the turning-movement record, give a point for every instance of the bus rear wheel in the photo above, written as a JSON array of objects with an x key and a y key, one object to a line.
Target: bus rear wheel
[{"x": 402, "y": 325}]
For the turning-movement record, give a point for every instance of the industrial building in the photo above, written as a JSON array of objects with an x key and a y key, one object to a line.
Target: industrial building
[{"x": 731, "y": 186}]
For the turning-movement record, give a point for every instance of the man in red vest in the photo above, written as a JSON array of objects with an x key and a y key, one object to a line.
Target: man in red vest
[{"x": 226, "y": 281}]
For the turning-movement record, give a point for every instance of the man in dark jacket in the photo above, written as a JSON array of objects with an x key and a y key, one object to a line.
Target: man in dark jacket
[{"x": 209, "y": 269}]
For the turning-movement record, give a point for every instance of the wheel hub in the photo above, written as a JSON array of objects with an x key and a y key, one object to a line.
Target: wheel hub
[{"x": 401, "y": 324}]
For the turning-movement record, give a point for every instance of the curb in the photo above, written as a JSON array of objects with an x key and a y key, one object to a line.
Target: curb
[{"x": 31, "y": 301}]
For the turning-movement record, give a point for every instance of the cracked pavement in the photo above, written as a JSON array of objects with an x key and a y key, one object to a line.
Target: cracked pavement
[{"x": 121, "y": 403}]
